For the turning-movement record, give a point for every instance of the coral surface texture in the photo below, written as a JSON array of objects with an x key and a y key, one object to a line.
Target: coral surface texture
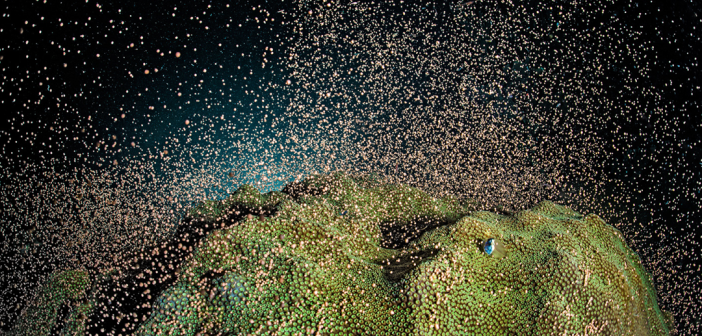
[{"x": 338, "y": 255}]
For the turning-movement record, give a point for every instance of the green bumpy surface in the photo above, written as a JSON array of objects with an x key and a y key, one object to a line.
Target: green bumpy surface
[
  {"x": 61, "y": 288},
  {"x": 316, "y": 267}
]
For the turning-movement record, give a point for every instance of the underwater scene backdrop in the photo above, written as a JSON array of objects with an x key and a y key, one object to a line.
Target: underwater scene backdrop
[{"x": 233, "y": 167}]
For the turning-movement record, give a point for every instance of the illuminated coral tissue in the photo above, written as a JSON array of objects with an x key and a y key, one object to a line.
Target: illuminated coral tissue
[{"x": 355, "y": 255}]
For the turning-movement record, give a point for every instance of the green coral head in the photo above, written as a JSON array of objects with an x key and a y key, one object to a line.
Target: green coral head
[{"x": 321, "y": 265}]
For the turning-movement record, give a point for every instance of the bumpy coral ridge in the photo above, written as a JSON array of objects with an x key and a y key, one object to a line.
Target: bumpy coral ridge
[{"x": 316, "y": 262}]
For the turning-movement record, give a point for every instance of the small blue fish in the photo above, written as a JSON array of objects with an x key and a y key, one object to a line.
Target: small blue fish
[
  {"x": 494, "y": 247},
  {"x": 489, "y": 246}
]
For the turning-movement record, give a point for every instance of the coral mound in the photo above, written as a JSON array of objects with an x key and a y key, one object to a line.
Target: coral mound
[
  {"x": 342, "y": 255},
  {"x": 60, "y": 289}
]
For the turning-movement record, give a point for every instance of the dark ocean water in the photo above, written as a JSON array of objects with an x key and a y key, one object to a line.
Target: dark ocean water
[{"x": 117, "y": 116}]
